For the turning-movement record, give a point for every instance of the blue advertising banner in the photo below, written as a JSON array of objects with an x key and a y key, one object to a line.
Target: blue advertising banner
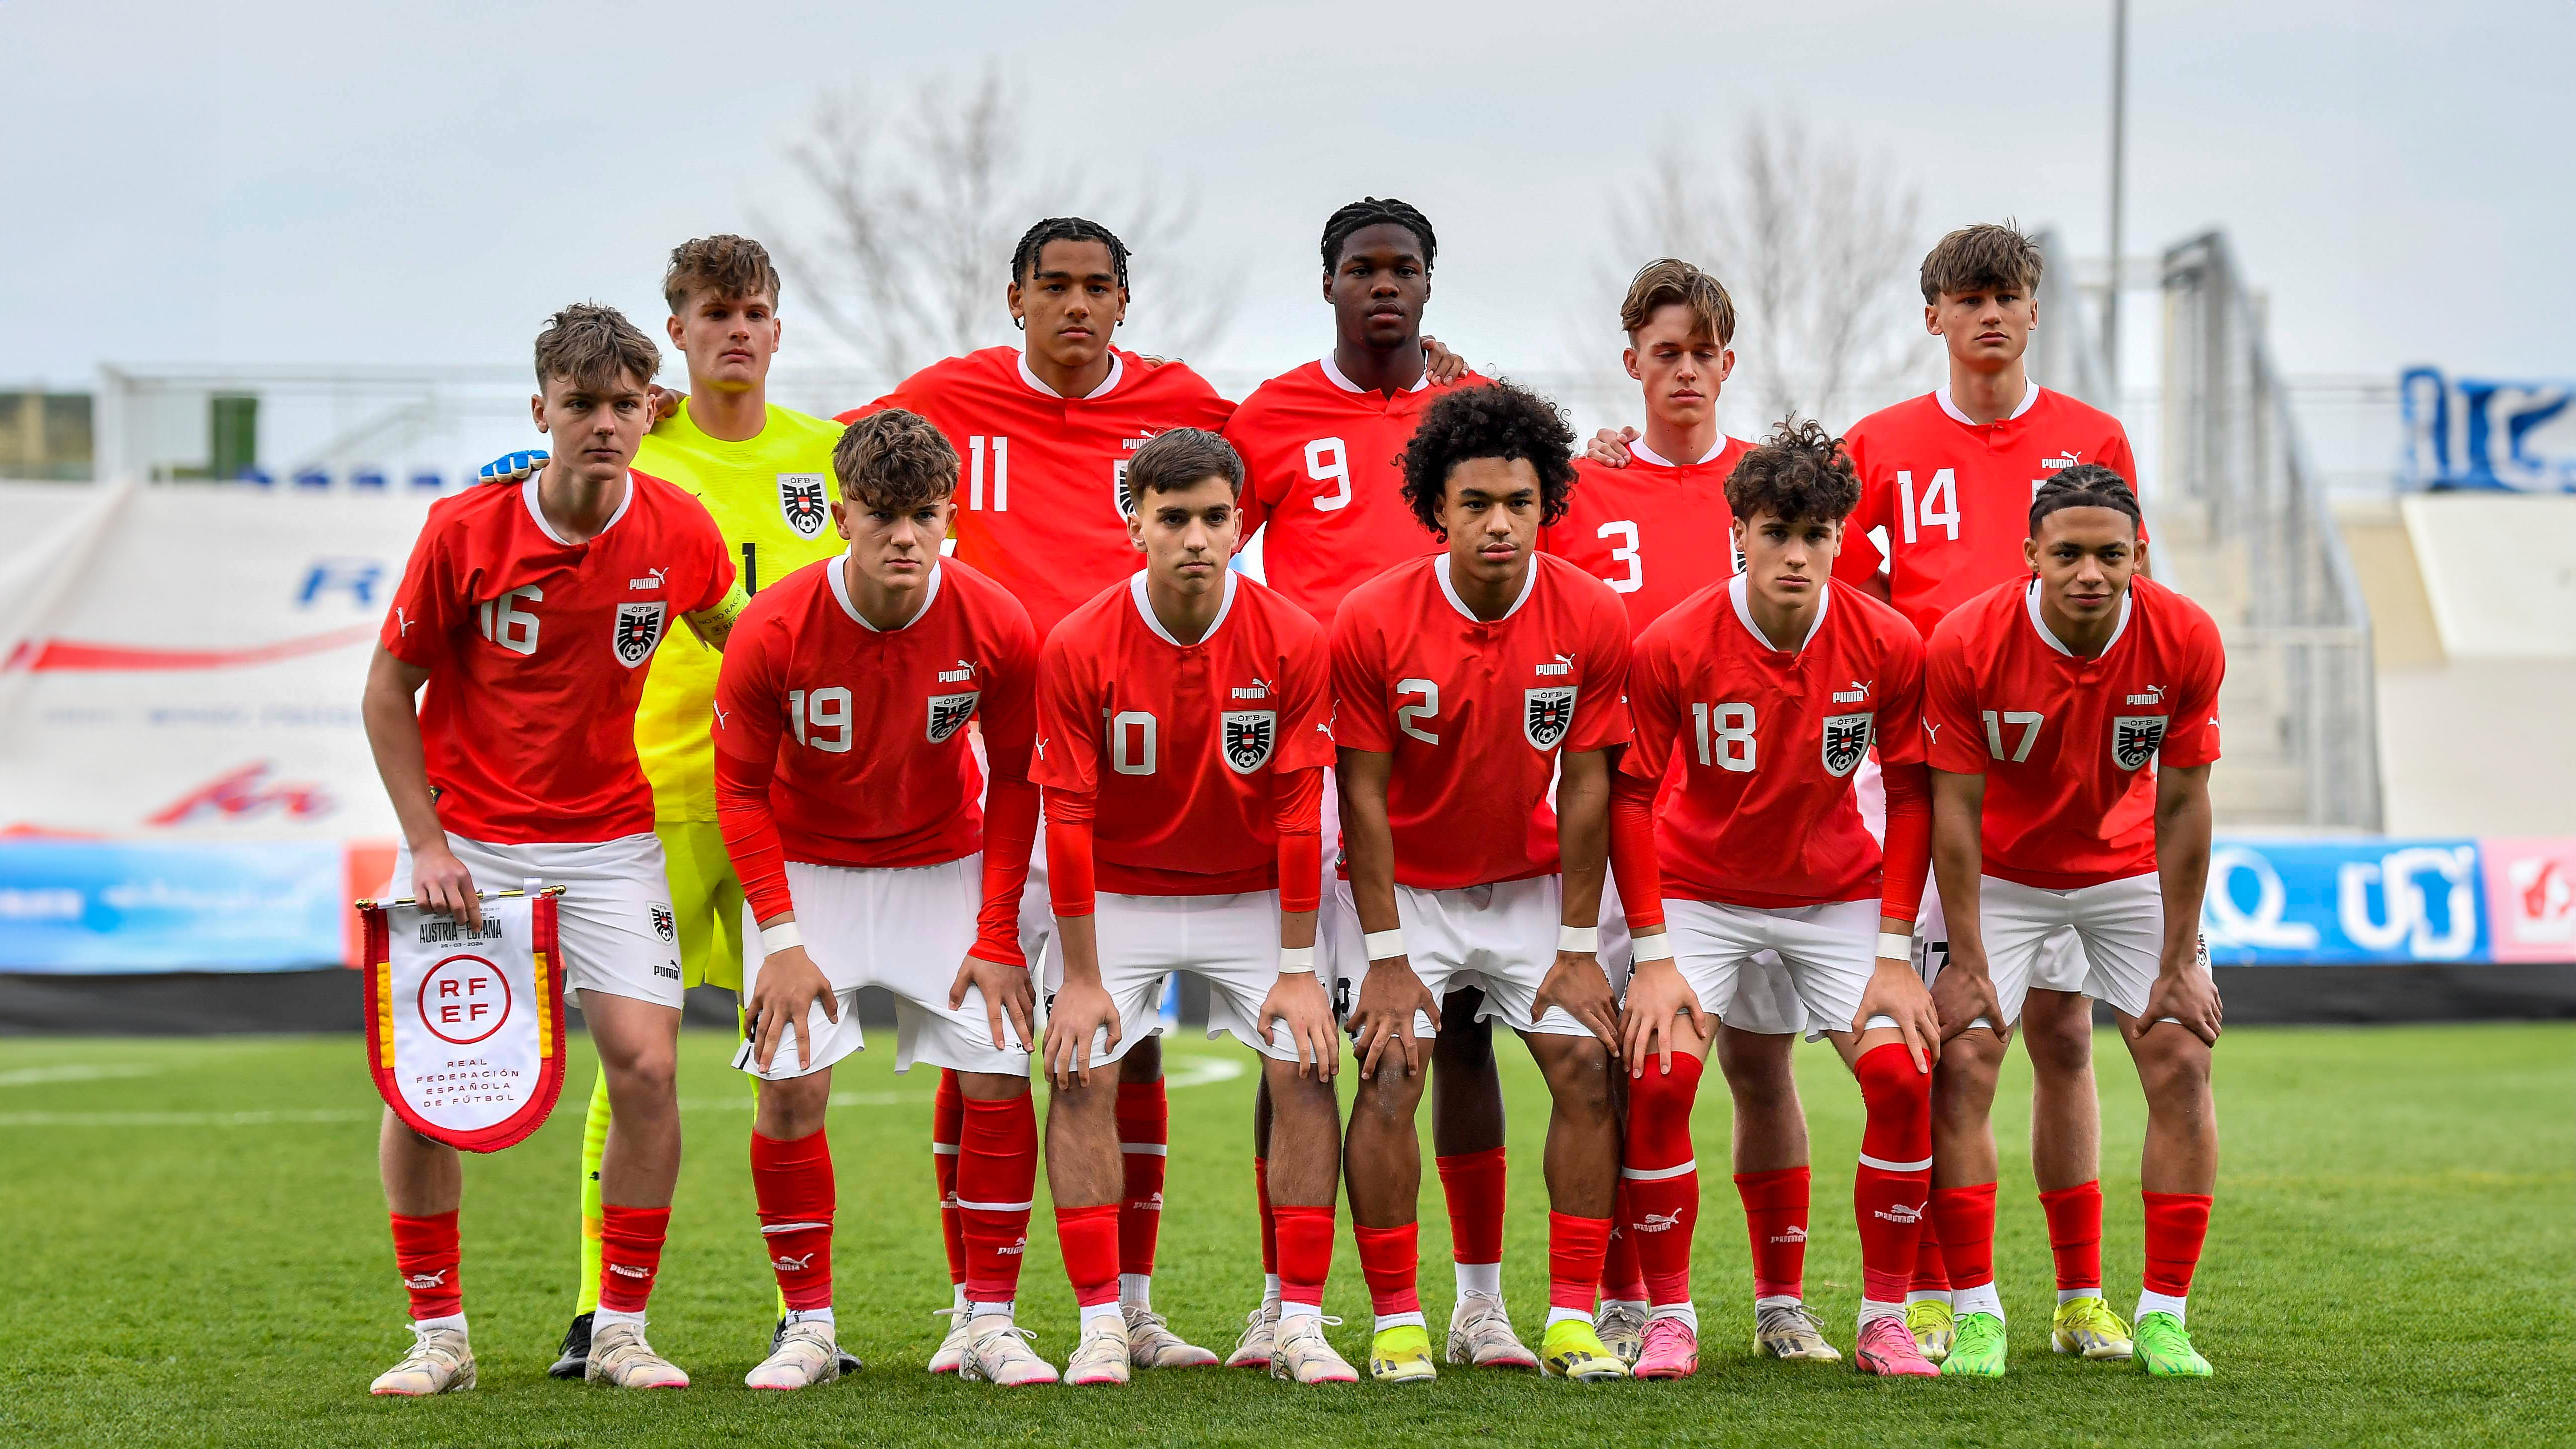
[
  {"x": 2473, "y": 432},
  {"x": 2343, "y": 902},
  {"x": 113, "y": 906}
]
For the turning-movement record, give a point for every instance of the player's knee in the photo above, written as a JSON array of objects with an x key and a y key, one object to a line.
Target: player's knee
[
  {"x": 2061, "y": 1045},
  {"x": 2175, "y": 1077},
  {"x": 1390, "y": 1094},
  {"x": 1466, "y": 1040},
  {"x": 1659, "y": 1108},
  {"x": 1758, "y": 1072},
  {"x": 1579, "y": 1077},
  {"x": 1892, "y": 1091}
]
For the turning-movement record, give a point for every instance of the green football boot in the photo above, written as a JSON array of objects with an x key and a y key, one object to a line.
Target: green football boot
[
  {"x": 1573, "y": 1349},
  {"x": 1978, "y": 1348},
  {"x": 1929, "y": 1320},
  {"x": 1402, "y": 1355},
  {"x": 2165, "y": 1350}
]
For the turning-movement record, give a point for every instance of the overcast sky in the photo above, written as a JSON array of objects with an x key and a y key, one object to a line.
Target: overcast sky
[{"x": 274, "y": 182}]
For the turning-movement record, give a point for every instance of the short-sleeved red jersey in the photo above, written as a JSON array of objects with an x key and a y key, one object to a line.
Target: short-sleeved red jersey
[
  {"x": 1655, "y": 531},
  {"x": 1323, "y": 465},
  {"x": 536, "y": 651},
  {"x": 1177, "y": 743},
  {"x": 1475, "y": 712},
  {"x": 1041, "y": 492},
  {"x": 865, "y": 729},
  {"x": 2064, "y": 741},
  {"x": 1766, "y": 740},
  {"x": 1954, "y": 497}
]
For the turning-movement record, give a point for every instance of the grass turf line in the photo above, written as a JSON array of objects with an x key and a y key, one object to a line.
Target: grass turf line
[{"x": 196, "y": 1254}]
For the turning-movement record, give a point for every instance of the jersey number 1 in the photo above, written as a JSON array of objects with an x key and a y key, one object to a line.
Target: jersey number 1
[{"x": 1001, "y": 472}]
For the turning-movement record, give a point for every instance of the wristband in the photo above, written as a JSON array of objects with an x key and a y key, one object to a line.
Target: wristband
[
  {"x": 774, "y": 939},
  {"x": 1578, "y": 938},
  {"x": 1893, "y": 947},
  {"x": 1658, "y": 947},
  {"x": 1296, "y": 958},
  {"x": 1381, "y": 944}
]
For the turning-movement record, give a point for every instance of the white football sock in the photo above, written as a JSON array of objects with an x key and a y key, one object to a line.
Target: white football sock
[
  {"x": 1638, "y": 1305},
  {"x": 1556, "y": 1316},
  {"x": 1981, "y": 1299},
  {"x": 822, "y": 1315},
  {"x": 607, "y": 1316},
  {"x": 1486, "y": 1278},
  {"x": 2069, "y": 1295},
  {"x": 1137, "y": 1289},
  {"x": 1270, "y": 1291},
  {"x": 1687, "y": 1312},
  {"x": 1776, "y": 1300},
  {"x": 1289, "y": 1310},
  {"x": 958, "y": 1295},
  {"x": 1386, "y": 1321},
  {"x": 447, "y": 1320},
  {"x": 1093, "y": 1312},
  {"x": 1871, "y": 1308},
  {"x": 2160, "y": 1303},
  {"x": 1929, "y": 1295},
  {"x": 1003, "y": 1309}
]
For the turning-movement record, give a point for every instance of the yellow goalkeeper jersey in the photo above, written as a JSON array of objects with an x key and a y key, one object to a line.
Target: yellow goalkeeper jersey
[{"x": 770, "y": 496}]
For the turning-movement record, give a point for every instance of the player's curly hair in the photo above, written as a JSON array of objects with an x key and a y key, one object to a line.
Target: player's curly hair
[
  {"x": 1172, "y": 461},
  {"x": 1979, "y": 258},
  {"x": 1371, "y": 211},
  {"x": 2086, "y": 485},
  {"x": 594, "y": 347},
  {"x": 1502, "y": 420},
  {"x": 894, "y": 460},
  {"x": 1024, "y": 258},
  {"x": 726, "y": 266},
  {"x": 1798, "y": 474}
]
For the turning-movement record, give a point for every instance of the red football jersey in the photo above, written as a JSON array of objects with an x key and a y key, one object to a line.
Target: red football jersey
[
  {"x": 866, "y": 729},
  {"x": 1475, "y": 713},
  {"x": 1324, "y": 467},
  {"x": 536, "y": 651},
  {"x": 1178, "y": 742},
  {"x": 1766, "y": 741},
  {"x": 2063, "y": 741},
  {"x": 1655, "y": 531},
  {"x": 1041, "y": 492},
  {"x": 1955, "y": 497}
]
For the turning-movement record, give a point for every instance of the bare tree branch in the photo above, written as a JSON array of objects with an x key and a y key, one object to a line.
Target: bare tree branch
[
  {"x": 1817, "y": 245},
  {"x": 915, "y": 204}
]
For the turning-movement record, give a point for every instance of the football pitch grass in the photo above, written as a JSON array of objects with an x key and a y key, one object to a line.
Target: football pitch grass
[{"x": 196, "y": 1253}]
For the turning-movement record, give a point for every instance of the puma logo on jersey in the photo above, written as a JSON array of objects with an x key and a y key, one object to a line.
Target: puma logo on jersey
[
  {"x": 2155, "y": 695},
  {"x": 402, "y": 626},
  {"x": 623, "y": 1270},
  {"x": 1793, "y": 1235},
  {"x": 1932, "y": 727},
  {"x": 1899, "y": 1213},
  {"x": 721, "y": 716},
  {"x": 786, "y": 1264},
  {"x": 1857, "y": 694},
  {"x": 1562, "y": 665},
  {"x": 653, "y": 581},
  {"x": 964, "y": 671},
  {"x": 1257, "y": 689},
  {"x": 425, "y": 1280},
  {"x": 1015, "y": 1249},
  {"x": 1659, "y": 1222},
  {"x": 2067, "y": 458}
]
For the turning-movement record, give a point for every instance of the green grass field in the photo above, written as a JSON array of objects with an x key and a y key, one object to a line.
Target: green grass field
[{"x": 195, "y": 1253}]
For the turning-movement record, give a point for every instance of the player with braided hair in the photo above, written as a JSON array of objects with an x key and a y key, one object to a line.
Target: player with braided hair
[
  {"x": 1754, "y": 701},
  {"x": 1322, "y": 446}
]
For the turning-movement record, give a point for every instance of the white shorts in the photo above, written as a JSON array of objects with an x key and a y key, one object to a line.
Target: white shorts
[
  {"x": 1825, "y": 952},
  {"x": 1230, "y": 942},
  {"x": 613, "y": 922},
  {"x": 1500, "y": 938},
  {"x": 2061, "y": 960},
  {"x": 905, "y": 930},
  {"x": 2117, "y": 929}
]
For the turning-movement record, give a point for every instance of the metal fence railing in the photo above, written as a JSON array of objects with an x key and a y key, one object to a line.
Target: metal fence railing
[{"x": 2236, "y": 475}]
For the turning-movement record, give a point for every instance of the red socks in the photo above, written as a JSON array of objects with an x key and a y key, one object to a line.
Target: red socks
[
  {"x": 1659, "y": 1186},
  {"x": 1575, "y": 1247},
  {"x": 1269, "y": 1220},
  {"x": 426, "y": 1255},
  {"x": 1967, "y": 1219},
  {"x": 1894, "y": 1180},
  {"x": 2075, "y": 1235},
  {"x": 947, "y": 1110},
  {"x": 1931, "y": 1275},
  {"x": 630, "y": 1253},
  {"x": 1775, "y": 1217},
  {"x": 1390, "y": 1259},
  {"x": 1144, "y": 1124},
  {"x": 1473, "y": 1183},
  {"x": 2176, "y": 1224},
  {"x": 792, "y": 1184},
  {"x": 997, "y": 1173},
  {"x": 1089, "y": 1238},
  {"x": 1305, "y": 1253},
  {"x": 1623, "y": 1276}
]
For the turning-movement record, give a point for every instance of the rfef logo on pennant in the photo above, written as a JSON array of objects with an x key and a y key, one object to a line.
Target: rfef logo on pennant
[
  {"x": 465, "y": 1035},
  {"x": 1546, "y": 714},
  {"x": 639, "y": 628},
  {"x": 800, "y": 502}
]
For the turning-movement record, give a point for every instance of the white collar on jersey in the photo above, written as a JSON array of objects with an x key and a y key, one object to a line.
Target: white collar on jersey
[
  {"x": 840, "y": 577},
  {"x": 1941, "y": 395},
  {"x": 528, "y": 494},
  {"x": 1108, "y": 385},
  {"x": 1333, "y": 370},
  {"x": 1440, "y": 567},
  {"x": 1644, "y": 454},
  {"x": 2030, "y": 601},
  {"x": 1145, "y": 609},
  {"x": 1739, "y": 589}
]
